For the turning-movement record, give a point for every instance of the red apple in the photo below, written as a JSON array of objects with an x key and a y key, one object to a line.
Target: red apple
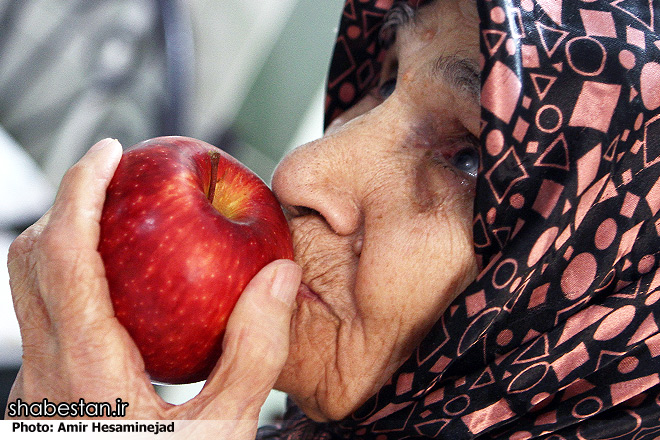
[{"x": 184, "y": 228}]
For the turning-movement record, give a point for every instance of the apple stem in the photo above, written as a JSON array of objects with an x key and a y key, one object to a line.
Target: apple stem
[{"x": 214, "y": 157}]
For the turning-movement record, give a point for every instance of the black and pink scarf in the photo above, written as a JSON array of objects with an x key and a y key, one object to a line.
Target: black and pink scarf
[{"x": 559, "y": 336}]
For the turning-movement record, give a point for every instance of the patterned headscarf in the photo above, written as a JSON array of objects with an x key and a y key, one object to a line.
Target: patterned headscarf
[{"x": 559, "y": 334}]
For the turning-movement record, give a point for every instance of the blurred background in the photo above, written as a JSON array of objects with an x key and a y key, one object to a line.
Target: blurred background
[{"x": 247, "y": 76}]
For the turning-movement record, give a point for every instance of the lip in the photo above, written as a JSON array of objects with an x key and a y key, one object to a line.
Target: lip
[
  {"x": 305, "y": 292},
  {"x": 309, "y": 296},
  {"x": 309, "y": 300}
]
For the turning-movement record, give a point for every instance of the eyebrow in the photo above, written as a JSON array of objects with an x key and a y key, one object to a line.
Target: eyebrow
[
  {"x": 399, "y": 15},
  {"x": 462, "y": 74}
]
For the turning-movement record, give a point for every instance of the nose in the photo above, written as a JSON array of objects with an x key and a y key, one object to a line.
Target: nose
[{"x": 316, "y": 179}]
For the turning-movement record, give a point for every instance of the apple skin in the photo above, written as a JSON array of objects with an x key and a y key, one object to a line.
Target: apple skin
[{"x": 176, "y": 262}]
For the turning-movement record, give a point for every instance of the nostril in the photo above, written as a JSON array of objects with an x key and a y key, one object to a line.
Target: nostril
[{"x": 301, "y": 211}]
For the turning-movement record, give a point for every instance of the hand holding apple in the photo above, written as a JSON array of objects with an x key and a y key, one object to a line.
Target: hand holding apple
[
  {"x": 75, "y": 348},
  {"x": 184, "y": 229}
]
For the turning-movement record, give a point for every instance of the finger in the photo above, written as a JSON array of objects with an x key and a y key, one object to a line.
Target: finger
[
  {"x": 79, "y": 201},
  {"x": 71, "y": 272},
  {"x": 28, "y": 306},
  {"x": 21, "y": 265},
  {"x": 256, "y": 344},
  {"x": 20, "y": 256},
  {"x": 22, "y": 261}
]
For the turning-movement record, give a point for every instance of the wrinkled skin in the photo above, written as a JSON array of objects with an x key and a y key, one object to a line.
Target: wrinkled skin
[
  {"x": 381, "y": 214},
  {"x": 74, "y": 347}
]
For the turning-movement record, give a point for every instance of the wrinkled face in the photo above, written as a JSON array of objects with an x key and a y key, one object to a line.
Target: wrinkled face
[{"x": 381, "y": 214}]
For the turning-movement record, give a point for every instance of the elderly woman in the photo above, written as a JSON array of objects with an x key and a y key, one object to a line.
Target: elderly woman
[{"x": 440, "y": 297}]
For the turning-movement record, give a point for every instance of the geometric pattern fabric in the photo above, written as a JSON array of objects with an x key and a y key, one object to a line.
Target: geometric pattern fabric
[{"x": 559, "y": 335}]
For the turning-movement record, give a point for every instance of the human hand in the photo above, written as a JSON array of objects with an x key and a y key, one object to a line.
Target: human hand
[{"x": 74, "y": 347}]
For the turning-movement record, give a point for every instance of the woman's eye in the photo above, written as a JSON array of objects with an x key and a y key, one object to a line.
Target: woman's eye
[
  {"x": 387, "y": 88},
  {"x": 466, "y": 160}
]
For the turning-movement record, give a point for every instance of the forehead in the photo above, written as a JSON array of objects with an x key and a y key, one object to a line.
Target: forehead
[
  {"x": 437, "y": 19},
  {"x": 356, "y": 67},
  {"x": 437, "y": 47}
]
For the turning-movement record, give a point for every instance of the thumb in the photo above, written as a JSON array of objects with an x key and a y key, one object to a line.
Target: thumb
[{"x": 255, "y": 345}]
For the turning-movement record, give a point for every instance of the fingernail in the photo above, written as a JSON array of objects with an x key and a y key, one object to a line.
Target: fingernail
[
  {"x": 100, "y": 145},
  {"x": 286, "y": 281}
]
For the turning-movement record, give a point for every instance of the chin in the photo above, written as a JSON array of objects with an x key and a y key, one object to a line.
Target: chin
[
  {"x": 307, "y": 376},
  {"x": 307, "y": 405}
]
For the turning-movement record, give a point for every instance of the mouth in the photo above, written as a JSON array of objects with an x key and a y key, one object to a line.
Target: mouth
[
  {"x": 304, "y": 292},
  {"x": 325, "y": 261},
  {"x": 311, "y": 301}
]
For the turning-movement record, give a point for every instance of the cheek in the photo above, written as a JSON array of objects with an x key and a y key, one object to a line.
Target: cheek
[
  {"x": 412, "y": 267},
  {"x": 441, "y": 192}
]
